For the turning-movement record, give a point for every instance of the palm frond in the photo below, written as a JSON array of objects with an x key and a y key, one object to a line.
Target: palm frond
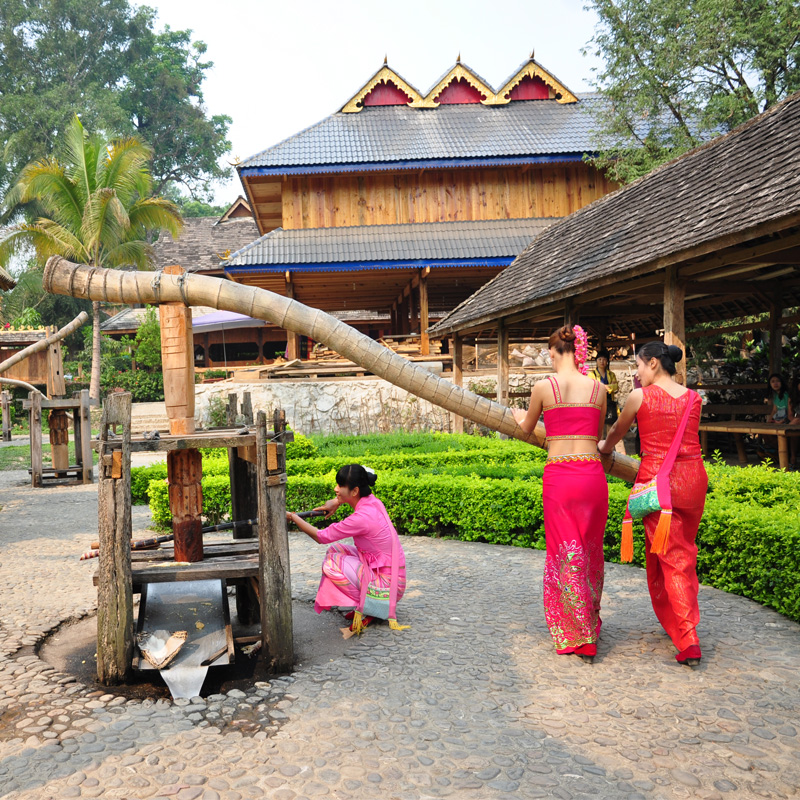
[
  {"x": 47, "y": 182},
  {"x": 137, "y": 253},
  {"x": 156, "y": 213},
  {"x": 47, "y": 237},
  {"x": 77, "y": 152},
  {"x": 126, "y": 169},
  {"x": 102, "y": 225}
]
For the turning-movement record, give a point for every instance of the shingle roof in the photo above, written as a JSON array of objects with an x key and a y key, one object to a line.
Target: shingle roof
[
  {"x": 424, "y": 240},
  {"x": 203, "y": 243},
  {"x": 399, "y": 133},
  {"x": 6, "y": 281},
  {"x": 747, "y": 177}
]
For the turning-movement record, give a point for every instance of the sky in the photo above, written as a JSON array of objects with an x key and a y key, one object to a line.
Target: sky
[{"x": 280, "y": 67}]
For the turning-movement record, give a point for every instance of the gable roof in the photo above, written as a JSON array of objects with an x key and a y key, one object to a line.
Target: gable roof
[
  {"x": 365, "y": 246},
  {"x": 400, "y": 137},
  {"x": 723, "y": 193},
  {"x": 204, "y": 243}
]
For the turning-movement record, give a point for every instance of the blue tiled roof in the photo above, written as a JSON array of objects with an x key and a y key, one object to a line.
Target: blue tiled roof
[{"x": 470, "y": 131}]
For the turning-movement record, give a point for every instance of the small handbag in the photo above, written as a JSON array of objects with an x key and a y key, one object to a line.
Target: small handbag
[{"x": 654, "y": 495}]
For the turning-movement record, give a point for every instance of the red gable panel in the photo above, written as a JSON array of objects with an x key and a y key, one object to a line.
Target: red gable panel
[
  {"x": 530, "y": 89},
  {"x": 459, "y": 92},
  {"x": 386, "y": 94}
]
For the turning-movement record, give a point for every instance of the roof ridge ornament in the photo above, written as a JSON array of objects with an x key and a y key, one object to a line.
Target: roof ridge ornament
[
  {"x": 384, "y": 75},
  {"x": 532, "y": 69},
  {"x": 458, "y": 72}
]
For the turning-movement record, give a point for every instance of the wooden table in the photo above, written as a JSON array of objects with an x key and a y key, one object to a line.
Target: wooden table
[{"x": 738, "y": 429}]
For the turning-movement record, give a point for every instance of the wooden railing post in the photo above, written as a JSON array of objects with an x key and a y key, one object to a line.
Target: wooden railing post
[
  {"x": 274, "y": 575},
  {"x": 114, "y": 589},
  {"x": 85, "y": 428},
  {"x": 502, "y": 363},
  {"x": 36, "y": 439},
  {"x": 5, "y": 403}
]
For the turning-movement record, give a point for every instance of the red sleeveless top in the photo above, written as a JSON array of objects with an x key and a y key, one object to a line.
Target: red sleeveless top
[
  {"x": 572, "y": 420},
  {"x": 659, "y": 417}
]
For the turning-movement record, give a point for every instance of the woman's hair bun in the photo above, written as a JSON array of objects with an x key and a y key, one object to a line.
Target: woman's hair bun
[
  {"x": 371, "y": 475},
  {"x": 675, "y": 353},
  {"x": 566, "y": 334}
]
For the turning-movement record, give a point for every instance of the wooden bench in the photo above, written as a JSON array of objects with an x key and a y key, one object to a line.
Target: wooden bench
[{"x": 741, "y": 427}]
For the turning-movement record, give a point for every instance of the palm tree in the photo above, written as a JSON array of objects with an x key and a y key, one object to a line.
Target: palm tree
[{"x": 96, "y": 208}]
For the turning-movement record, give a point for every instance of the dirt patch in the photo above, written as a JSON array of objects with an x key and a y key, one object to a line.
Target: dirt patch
[{"x": 317, "y": 639}]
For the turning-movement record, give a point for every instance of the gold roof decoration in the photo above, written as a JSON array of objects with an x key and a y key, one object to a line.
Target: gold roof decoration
[
  {"x": 531, "y": 69},
  {"x": 384, "y": 75},
  {"x": 459, "y": 72}
]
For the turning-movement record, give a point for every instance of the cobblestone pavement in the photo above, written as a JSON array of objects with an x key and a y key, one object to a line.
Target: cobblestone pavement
[{"x": 472, "y": 702}]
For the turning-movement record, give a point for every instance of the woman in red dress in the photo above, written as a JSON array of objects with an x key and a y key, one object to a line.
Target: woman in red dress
[{"x": 658, "y": 408}]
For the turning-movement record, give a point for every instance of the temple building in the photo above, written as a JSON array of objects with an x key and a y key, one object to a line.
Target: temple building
[{"x": 402, "y": 204}]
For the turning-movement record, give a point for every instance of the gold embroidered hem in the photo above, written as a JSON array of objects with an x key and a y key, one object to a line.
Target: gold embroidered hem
[{"x": 572, "y": 457}]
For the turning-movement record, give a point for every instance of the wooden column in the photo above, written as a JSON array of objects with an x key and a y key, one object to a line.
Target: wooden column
[
  {"x": 570, "y": 317},
  {"x": 114, "y": 589},
  {"x": 5, "y": 403},
  {"x": 184, "y": 475},
  {"x": 233, "y": 402},
  {"x": 425, "y": 342},
  {"x": 413, "y": 324},
  {"x": 458, "y": 377},
  {"x": 247, "y": 408},
  {"x": 84, "y": 425},
  {"x": 59, "y": 439},
  {"x": 177, "y": 356},
  {"x": 502, "y": 363},
  {"x": 292, "y": 339},
  {"x": 274, "y": 577},
  {"x": 674, "y": 320},
  {"x": 36, "y": 438},
  {"x": 775, "y": 336}
]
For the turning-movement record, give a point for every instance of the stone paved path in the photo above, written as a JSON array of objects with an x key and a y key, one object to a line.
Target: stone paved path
[{"x": 472, "y": 702}]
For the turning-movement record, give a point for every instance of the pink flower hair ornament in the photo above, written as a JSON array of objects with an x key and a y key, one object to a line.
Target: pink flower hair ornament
[{"x": 581, "y": 348}]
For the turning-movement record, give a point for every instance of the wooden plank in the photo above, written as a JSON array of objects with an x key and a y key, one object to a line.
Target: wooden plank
[
  {"x": 196, "y": 441},
  {"x": 210, "y": 569},
  {"x": 775, "y": 334},
  {"x": 115, "y": 592},
  {"x": 502, "y": 363},
  {"x": 458, "y": 377},
  {"x": 83, "y": 436},
  {"x": 229, "y": 549},
  {"x": 5, "y": 403},
  {"x": 274, "y": 578}
]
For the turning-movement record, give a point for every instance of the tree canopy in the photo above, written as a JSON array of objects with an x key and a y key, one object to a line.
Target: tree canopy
[
  {"x": 104, "y": 61},
  {"x": 677, "y": 72}
]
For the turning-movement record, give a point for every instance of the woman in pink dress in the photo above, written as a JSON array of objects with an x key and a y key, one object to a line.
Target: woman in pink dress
[
  {"x": 370, "y": 574},
  {"x": 658, "y": 408},
  {"x": 574, "y": 494}
]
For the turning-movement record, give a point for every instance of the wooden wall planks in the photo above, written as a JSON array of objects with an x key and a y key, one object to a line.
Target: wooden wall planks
[{"x": 318, "y": 201}]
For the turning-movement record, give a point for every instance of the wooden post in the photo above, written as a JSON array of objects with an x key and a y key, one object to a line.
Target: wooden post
[
  {"x": 247, "y": 408},
  {"x": 184, "y": 474},
  {"x": 5, "y": 403},
  {"x": 413, "y": 302},
  {"x": 114, "y": 585},
  {"x": 59, "y": 439},
  {"x": 502, "y": 363},
  {"x": 292, "y": 338},
  {"x": 177, "y": 356},
  {"x": 233, "y": 401},
  {"x": 85, "y": 429},
  {"x": 36, "y": 439},
  {"x": 775, "y": 337},
  {"x": 56, "y": 386},
  {"x": 570, "y": 317},
  {"x": 674, "y": 320},
  {"x": 425, "y": 342},
  {"x": 274, "y": 577},
  {"x": 458, "y": 377}
]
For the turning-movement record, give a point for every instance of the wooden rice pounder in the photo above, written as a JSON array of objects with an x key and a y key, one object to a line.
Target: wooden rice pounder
[{"x": 184, "y": 467}]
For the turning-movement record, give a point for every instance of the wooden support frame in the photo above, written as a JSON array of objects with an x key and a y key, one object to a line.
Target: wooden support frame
[
  {"x": 292, "y": 339},
  {"x": 775, "y": 334},
  {"x": 114, "y": 587},
  {"x": 424, "y": 322},
  {"x": 674, "y": 319},
  {"x": 274, "y": 574},
  {"x": 5, "y": 405}
]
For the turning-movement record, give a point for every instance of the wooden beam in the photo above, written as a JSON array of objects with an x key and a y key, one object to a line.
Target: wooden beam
[
  {"x": 674, "y": 322},
  {"x": 747, "y": 326},
  {"x": 292, "y": 339},
  {"x": 775, "y": 334},
  {"x": 502, "y": 363}
]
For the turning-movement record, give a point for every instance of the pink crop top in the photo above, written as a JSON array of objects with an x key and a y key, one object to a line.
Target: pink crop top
[{"x": 572, "y": 420}]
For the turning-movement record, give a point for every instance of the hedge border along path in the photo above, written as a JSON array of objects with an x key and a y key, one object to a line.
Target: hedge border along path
[{"x": 748, "y": 542}]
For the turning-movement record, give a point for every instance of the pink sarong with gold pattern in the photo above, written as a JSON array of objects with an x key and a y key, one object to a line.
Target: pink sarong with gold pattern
[{"x": 575, "y": 499}]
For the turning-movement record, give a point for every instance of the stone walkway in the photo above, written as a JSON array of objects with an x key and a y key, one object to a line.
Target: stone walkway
[{"x": 472, "y": 702}]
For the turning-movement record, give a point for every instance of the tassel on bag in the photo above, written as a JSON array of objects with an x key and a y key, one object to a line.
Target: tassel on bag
[
  {"x": 395, "y": 626},
  {"x": 661, "y": 536},
  {"x": 626, "y": 548}
]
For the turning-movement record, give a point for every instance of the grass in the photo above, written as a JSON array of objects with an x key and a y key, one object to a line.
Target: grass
[{"x": 19, "y": 457}]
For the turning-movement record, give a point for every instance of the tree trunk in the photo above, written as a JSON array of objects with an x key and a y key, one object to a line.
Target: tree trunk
[
  {"x": 64, "y": 277},
  {"x": 94, "y": 383}
]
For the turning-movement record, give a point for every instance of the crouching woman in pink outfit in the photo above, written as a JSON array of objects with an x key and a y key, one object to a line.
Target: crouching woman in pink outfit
[{"x": 370, "y": 574}]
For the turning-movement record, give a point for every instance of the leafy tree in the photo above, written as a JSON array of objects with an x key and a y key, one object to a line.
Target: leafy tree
[
  {"x": 679, "y": 71},
  {"x": 103, "y": 60},
  {"x": 97, "y": 209},
  {"x": 147, "y": 344}
]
